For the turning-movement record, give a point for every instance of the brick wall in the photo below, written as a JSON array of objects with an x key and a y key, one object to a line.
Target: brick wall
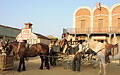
[
  {"x": 115, "y": 16},
  {"x": 83, "y": 15},
  {"x": 109, "y": 15},
  {"x": 101, "y": 14}
]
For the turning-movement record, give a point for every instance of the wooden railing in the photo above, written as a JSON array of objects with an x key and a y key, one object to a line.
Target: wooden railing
[{"x": 92, "y": 30}]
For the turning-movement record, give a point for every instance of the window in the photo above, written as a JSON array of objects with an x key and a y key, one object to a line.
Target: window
[
  {"x": 82, "y": 23},
  {"x": 100, "y": 23},
  {"x": 118, "y": 22}
]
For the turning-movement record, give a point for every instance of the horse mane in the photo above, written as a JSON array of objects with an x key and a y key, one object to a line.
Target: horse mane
[
  {"x": 45, "y": 46},
  {"x": 95, "y": 45}
]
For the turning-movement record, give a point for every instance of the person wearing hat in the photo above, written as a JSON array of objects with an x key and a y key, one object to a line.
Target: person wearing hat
[
  {"x": 67, "y": 36},
  {"x": 50, "y": 51},
  {"x": 108, "y": 47},
  {"x": 51, "y": 45},
  {"x": 77, "y": 57}
]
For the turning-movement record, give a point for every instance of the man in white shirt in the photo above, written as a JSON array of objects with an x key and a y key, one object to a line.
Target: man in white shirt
[{"x": 77, "y": 57}]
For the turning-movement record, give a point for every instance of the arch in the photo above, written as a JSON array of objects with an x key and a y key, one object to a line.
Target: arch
[
  {"x": 114, "y": 6},
  {"x": 101, "y": 19},
  {"x": 115, "y": 16},
  {"x": 78, "y": 15},
  {"x": 84, "y": 7},
  {"x": 102, "y": 6}
]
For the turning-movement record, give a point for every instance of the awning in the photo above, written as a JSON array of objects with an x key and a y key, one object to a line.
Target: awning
[{"x": 99, "y": 37}]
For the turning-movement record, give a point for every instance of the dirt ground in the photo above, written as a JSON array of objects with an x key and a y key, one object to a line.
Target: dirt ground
[{"x": 32, "y": 68}]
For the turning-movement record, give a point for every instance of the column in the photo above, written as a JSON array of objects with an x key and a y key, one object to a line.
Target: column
[
  {"x": 115, "y": 39},
  {"x": 88, "y": 37},
  {"x": 109, "y": 39}
]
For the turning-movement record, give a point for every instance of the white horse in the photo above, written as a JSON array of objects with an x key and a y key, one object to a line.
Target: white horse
[{"x": 99, "y": 48}]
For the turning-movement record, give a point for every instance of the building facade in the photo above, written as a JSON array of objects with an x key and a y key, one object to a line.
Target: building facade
[
  {"x": 20, "y": 35},
  {"x": 8, "y": 32},
  {"x": 30, "y": 37},
  {"x": 96, "y": 24}
]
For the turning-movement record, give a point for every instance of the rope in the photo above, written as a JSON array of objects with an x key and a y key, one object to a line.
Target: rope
[
  {"x": 100, "y": 50},
  {"x": 51, "y": 56},
  {"x": 18, "y": 47}
]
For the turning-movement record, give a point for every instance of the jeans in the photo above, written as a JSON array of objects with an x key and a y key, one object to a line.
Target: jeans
[{"x": 76, "y": 62}]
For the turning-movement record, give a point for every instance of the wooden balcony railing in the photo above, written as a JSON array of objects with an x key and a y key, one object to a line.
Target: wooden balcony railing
[{"x": 92, "y": 30}]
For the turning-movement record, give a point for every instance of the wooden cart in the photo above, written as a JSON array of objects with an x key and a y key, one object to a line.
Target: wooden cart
[{"x": 6, "y": 62}]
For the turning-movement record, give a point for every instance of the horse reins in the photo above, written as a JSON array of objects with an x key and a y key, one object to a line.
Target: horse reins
[{"x": 100, "y": 50}]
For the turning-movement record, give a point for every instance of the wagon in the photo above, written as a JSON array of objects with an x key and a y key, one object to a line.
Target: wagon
[
  {"x": 6, "y": 62},
  {"x": 56, "y": 54},
  {"x": 67, "y": 58}
]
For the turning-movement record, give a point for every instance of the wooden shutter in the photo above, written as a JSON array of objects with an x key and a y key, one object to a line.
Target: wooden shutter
[
  {"x": 118, "y": 22},
  {"x": 82, "y": 23},
  {"x": 100, "y": 23}
]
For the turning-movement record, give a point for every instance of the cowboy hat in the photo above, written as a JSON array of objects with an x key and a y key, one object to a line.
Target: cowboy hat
[{"x": 76, "y": 40}]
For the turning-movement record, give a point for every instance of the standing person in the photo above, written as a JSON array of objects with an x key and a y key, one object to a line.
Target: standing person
[
  {"x": 63, "y": 36},
  {"x": 77, "y": 58},
  {"x": 67, "y": 37},
  {"x": 51, "y": 52},
  {"x": 51, "y": 45},
  {"x": 108, "y": 50}
]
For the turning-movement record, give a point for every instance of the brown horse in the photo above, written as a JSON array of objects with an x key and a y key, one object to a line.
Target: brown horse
[{"x": 36, "y": 49}]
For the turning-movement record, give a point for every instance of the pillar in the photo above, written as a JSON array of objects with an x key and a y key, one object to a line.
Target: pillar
[
  {"x": 115, "y": 39},
  {"x": 88, "y": 37},
  {"x": 109, "y": 39}
]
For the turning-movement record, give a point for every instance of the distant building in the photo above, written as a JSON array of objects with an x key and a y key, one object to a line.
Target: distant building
[
  {"x": 96, "y": 24},
  {"x": 50, "y": 36},
  {"x": 9, "y": 32},
  {"x": 31, "y": 37},
  {"x": 22, "y": 34}
]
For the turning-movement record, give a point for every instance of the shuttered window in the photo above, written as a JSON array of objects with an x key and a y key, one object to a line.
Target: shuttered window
[
  {"x": 118, "y": 22},
  {"x": 82, "y": 23},
  {"x": 100, "y": 23}
]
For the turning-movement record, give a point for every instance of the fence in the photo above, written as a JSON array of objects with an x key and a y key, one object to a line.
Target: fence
[{"x": 92, "y": 30}]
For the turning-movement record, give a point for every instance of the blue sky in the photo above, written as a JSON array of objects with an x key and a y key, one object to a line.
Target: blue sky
[{"x": 49, "y": 17}]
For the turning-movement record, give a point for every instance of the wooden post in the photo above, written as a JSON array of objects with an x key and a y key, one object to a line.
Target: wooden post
[
  {"x": 109, "y": 40},
  {"x": 88, "y": 35},
  {"x": 75, "y": 32},
  {"x": 4, "y": 40}
]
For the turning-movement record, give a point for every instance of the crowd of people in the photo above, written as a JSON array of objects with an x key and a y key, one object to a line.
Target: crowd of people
[
  {"x": 74, "y": 47},
  {"x": 3, "y": 44}
]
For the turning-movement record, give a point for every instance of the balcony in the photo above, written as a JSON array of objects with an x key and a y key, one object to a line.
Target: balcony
[{"x": 98, "y": 30}]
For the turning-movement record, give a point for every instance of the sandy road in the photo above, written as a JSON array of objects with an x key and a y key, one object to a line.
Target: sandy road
[{"x": 32, "y": 68}]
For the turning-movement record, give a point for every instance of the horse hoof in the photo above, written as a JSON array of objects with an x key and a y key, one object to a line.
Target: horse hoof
[
  {"x": 23, "y": 70},
  {"x": 41, "y": 68},
  {"x": 18, "y": 70},
  {"x": 99, "y": 73},
  {"x": 48, "y": 68}
]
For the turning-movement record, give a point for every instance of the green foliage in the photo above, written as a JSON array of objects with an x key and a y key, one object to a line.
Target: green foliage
[{"x": 55, "y": 39}]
